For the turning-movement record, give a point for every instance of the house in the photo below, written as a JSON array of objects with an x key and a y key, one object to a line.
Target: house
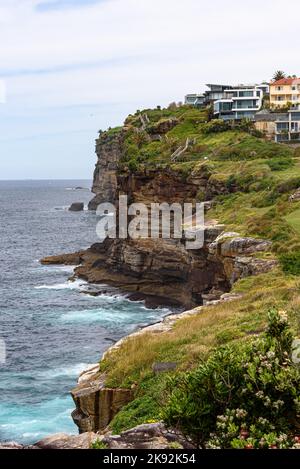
[
  {"x": 215, "y": 92},
  {"x": 194, "y": 99},
  {"x": 282, "y": 127},
  {"x": 265, "y": 122},
  {"x": 240, "y": 102},
  {"x": 288, "y": 126},
  {"x": 231, "y": 103},
  {"x": 285, "y": 92},
  {"x": 208, "y": 97}
]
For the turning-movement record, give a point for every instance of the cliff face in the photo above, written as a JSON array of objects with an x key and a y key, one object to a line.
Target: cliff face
[{"x": 108, "y": 151}]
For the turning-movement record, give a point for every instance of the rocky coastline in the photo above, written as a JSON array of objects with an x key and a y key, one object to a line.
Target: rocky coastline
[{"x": 162, "y": 272}]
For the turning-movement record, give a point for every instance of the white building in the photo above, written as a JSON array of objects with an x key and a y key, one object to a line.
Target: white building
[{"x": 240, "y": 102}]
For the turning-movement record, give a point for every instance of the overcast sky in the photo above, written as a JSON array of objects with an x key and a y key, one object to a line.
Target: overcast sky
[{"x": 72, "y": 67}]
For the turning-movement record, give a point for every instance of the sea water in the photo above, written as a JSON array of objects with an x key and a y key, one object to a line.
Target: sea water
[{"x": 51, "y": 329}]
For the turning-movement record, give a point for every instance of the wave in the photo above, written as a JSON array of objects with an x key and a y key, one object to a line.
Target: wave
[
  {"x": 49, "y": 269},
  {"x": 64, "y": 371},
  {"x": 30, "y": 423},
  {"x": 69, "y": 285},
  {"x": 109, "y": 317}
]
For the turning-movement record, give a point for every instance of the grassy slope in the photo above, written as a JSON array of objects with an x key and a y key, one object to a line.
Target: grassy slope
[{"x": 266, "y": 174}]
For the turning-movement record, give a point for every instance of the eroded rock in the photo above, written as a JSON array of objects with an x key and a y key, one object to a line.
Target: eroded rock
[
  {"x": 76, "y": 207},
  {"x": 147, "y": 436}
]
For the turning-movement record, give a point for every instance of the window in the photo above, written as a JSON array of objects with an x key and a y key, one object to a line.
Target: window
[
  {"x": 294, "y": 127},
  {"x": 245, "y": 93},
  {"x": 282, "y": 126}
]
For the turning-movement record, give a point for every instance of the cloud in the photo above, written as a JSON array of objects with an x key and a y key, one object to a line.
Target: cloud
[
  {"x": 65, "y": 60},
  {"x": 63, "y": 4},
  {"x": 2, "y": 92}
]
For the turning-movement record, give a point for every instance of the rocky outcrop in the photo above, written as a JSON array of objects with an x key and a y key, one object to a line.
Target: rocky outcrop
[
  {"x": 147, "y": 436},
  {"x": 109, "y": 151},
  {"x": 238, "y": 255},
  {"x": 167, "y": 271},
  {"x": 162, "y": 127},
  {"x": 76, "y": 207},
  {"x": 58, "y": 441},
  {"x": 158, "y": 268},
  {"x": 96, "y": 405},
  {"x": 295, "y": 197}
]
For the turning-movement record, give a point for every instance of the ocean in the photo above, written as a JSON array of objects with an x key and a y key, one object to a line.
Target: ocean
[{"x": 51, "y": 330}]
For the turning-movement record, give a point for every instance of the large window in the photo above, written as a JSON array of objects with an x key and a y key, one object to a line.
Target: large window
[
  {"x": 282, "y": 126},
  {"x": 248, "y": 93}
]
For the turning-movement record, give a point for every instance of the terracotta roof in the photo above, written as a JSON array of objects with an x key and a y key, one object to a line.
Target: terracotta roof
[{"x": 286, "y": 81}]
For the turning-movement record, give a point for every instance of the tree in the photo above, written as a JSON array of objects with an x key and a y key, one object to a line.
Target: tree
[{"x": 278, "y": 75}]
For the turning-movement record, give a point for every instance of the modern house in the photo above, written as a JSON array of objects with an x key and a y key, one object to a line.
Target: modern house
[
  {"x": 208, "y": 97},
  {"x": 288, "y": 126},
  {"x": 215, "y": 92},
  {"x": 282, "y": 127},
  {"x": 240, "y": 102},
  {"x": 194, "y": 99},
  {"x": 284, "y": 92}
]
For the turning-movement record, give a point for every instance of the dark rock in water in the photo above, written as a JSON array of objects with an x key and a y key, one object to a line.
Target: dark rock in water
[
  {"x": 161, "y": 367},
  {"x": 77, "y": 207}
]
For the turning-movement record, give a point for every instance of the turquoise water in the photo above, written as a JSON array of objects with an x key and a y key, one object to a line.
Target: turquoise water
[{"x": 51, "y": 329}]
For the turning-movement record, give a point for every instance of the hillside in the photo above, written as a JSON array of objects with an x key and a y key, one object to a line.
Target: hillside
[{"x": 248, "y": 183}]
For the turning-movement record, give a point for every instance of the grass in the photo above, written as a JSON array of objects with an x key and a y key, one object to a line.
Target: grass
[
  {"x": 293, "y": 220},
  {"x": 192, "y": 339}
]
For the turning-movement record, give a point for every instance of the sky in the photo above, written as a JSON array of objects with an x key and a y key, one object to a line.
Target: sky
[{"x": 72, "y": 67}]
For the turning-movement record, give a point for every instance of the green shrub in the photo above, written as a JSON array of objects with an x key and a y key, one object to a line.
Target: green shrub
[
  {"x": 280, "y": 164},
  {"x": 244, "y": 395},
  {"x": 135, "y": 413},
  {"x": 290, "y": 262},
  {"x": 132, "y": 165},
  {"x": 98, "y": 444},
  {"x": 215, "y": 126}
]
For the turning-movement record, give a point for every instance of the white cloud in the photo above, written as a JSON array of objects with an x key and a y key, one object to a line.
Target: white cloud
[
  {"x": 124, "y": 54},
  {"x": 2, "y": 92}
]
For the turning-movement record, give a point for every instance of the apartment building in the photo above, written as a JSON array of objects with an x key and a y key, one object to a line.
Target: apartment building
[
  {"x": 288, "y": 126},
  {"x": 231, "y": 102},
  {"x": 240, "y": 102},
  {"x": 283, "y": 127},
  {"x": 285, "y": 92}
]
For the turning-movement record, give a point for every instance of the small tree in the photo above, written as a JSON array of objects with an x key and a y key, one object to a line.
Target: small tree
[{"x": 279, "y": 75}]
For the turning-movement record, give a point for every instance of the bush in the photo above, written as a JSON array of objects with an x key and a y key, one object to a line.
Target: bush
[
  {"x": 98, "y": 444},
  {"x": 289, "y": 185},
  {"x": 132, "y": 165},
  {"x": 290, "y": 262},
  {"x": 279, "y": 164},
  {"x": 243, "y": 396},
  {"x": 215, "y": 126}
]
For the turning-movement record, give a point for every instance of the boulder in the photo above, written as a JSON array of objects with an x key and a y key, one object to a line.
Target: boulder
[
  {"x": 64, "y": 441},
  {"x": 233, "y": 245},
  {"x": 76, "y": 207},
  {"x": 296, "y": 196},
  {"x": 147, "y": 436}
]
